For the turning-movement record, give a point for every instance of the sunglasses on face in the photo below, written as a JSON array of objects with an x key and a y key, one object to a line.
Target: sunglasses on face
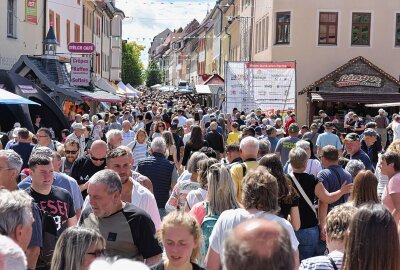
[
  {"x": 97, "y": 159},
  {"x": 70, "y": 152},
  {"x": 97, "y": 253}
]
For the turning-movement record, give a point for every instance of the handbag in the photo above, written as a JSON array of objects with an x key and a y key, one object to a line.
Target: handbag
[{"x": 305, "y": 197}]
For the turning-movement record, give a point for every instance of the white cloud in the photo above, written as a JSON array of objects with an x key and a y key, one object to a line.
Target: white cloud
[{"x": 147, "y": 18}]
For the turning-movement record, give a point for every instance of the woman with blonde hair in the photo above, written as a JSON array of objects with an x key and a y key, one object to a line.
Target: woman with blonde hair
[
  {"x": 180, "y": 235},
  {"x": 77, "y": 248},
  {"x": 171, "y": 153},
  {"x": 139, "y": 146},
  {"x": 365, "y": 188},
  {"x": 382, "y": 178}
]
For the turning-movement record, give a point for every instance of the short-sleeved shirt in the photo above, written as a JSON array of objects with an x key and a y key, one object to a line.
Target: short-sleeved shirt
[
  {"x": 129, "y": 233},
  {"x": 237, "y": 176},
  {"x": 308, "y": 183},
  {"x": 63, "y": 181},
  {"x": 127, "y": 137},
  {"x": 37, "y": 230},
  {"x": 333, "y": 178},
  {"x": 83, "y": 169},
  {"x": 284, "y": 146},
  {"x": 312, "y": 136},
  {"x": 364, "y": 158},
  {"x": 392, "y": 187},
  {"x": 274, "y": 141},
  {"x": 196, "y": 196},
  {"x": 323, "y": 262},
  {"x": 179, "y": 194},
  {"x": 229, "y": 219},
  {"x": 58, "y": 204},
  {"x": 233, "y": 137},
  {"x": 328, "y": 138}
]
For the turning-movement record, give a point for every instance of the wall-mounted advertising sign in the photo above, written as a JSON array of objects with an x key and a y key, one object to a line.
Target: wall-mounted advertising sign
[
  {"x": 31, "y": 11},
  {"x": 348, "y": 80},
  {"x": 81, "y": 47},
  {"x": 80, "y": 71}
]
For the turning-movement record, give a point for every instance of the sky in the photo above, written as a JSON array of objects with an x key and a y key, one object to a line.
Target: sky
[{"x": 147, "y": 18}]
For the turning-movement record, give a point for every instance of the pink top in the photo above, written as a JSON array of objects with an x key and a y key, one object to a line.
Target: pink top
[
  {"x": 392, "y": 187},
  {"x": 198, "y": 211}
]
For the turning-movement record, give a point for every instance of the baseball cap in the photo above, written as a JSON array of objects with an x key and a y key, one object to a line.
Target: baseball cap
[
  {"x": 17, "y": 125},
  {"x": 352, "y": 137},
  {"x": 279, "y": 131},
  {"x": 258, "y": 130},
  {"x": 15, "y": 132},
  {"x": 304, "y": 126},
  {"x": 370, "y": 132},
  {"x": 293, "y": 128}
]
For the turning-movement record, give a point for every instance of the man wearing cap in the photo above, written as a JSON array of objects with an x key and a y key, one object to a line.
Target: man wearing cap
[
  {"x": 78, "y": 136},
  {"x": 312, "y": 135},
  {"x": 353, "y": 150},
  {"x": 370, "y": 145},
  {"x": 16, "y": 126},
  {"x": 381, "y": 124},
  {"x": 286, "y": 144},
  {"x": 328, "y": 138}
]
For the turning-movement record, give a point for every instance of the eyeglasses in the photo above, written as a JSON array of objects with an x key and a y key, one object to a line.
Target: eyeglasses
[
  {"x": 97, "y": 253},
  {"x": 41, "y": 136},
  {"x": 70, "y": 152},
  {"x": 161, "y": 126},
  {"x": 97, "y": 159}
]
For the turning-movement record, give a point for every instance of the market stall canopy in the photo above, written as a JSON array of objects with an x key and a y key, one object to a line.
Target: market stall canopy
[
  {"x": 7, "y": 97},
  {"x": 383, "y": 105},
  {"x": 103, "y": 84},
  {"x": 354, "y": 97},
  {"x": 202, "y": 89},
  {"x": 156, "y": 86},
  {"x": 167, "y": 88},
  {"x": 138, "y": 93},
  {"x": 99, "y": 96}
]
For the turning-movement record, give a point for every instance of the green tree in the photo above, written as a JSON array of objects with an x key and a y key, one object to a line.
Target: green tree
[
  {"x": 132, "y": 66},
  {"x": 153, "y": 74}
]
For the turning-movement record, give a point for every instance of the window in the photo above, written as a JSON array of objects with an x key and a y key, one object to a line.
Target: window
[
  {"x": 397, "y": 38},
  {"x": 11, "y": 18},
  {"x": 68, "y": 32},
  {"x": 361, "y": 29},
  {"x": 77, "y": 33},
  {"x": 282, "y": 28},
  {"x": 98, "y": 26},
  {"x": 328, "y": 28},
  {"x": 78, "y": 2},
  {"x": 58, "y": 28}
]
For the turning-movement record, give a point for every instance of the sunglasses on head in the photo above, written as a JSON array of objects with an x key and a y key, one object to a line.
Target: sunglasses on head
[{"x": 97, "y": 159}]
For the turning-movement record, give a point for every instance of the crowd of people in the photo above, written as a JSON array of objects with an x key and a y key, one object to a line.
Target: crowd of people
[{"x": 164, "y": 183}]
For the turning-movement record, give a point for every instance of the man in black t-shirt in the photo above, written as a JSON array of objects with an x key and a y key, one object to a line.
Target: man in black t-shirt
[
  {"x": 128, "y": 230},
  {"x": 55, "y": 203},
  {"x": 86, "y": 166}
]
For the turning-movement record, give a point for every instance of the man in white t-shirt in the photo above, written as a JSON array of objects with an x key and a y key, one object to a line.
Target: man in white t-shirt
[
  {"x": 396, "y": 128},
  {"x": 182, "y": 119},
  {"x": 260, "y": 188},
  {"x": 120, "y": 161}
]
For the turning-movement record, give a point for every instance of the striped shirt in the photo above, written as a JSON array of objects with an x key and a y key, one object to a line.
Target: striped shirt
[
  {"x": 139, "y": 151},
  {"x": 322, "y": 262}
]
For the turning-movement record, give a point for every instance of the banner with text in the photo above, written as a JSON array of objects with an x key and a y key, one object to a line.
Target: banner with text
[
  {"x": 31, "y": 11},
  {"x": 270, "y": 86},
  {"x": 80, "y": 71}
]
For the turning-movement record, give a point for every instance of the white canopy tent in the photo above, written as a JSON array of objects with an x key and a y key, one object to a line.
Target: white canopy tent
[{"x": 7, "y": 97}]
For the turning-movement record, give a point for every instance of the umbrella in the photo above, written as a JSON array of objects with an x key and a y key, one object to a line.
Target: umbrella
[{"x": 7, "y": 97}]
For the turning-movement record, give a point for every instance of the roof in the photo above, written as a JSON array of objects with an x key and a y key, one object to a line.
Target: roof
[{"x": 348, "y": 64}]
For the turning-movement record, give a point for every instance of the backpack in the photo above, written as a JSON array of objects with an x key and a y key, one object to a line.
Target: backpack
[{"x": 206, "y": 227}]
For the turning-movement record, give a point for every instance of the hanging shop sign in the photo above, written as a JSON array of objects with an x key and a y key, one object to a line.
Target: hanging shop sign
[
  {"x": 80, "y": 71},
  {"x": 31, "y": 14},
  {"x": 348, "y": 80},
  {"x": 81, "y": 47}
]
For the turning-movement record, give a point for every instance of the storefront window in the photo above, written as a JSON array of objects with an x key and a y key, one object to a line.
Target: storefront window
[
  {"x": 328, "y": 28},
  {"x": 361, "y": 29},
  {"x": 282, "y": 28},
  {"x": 397, "y": 29}
]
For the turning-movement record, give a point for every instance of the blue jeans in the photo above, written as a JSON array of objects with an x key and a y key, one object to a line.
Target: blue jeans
[{"x": 309, "y": 242}]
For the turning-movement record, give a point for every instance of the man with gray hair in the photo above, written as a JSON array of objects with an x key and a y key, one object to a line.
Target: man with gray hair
[
  {"x": 114, "y": 138},
  {"x": 354, "y": 166},
  {"x": 128, "y": 135},
  {"x": 381, "y": 124},
  {"x": 161, "y": 172},
  {"x": 16, "y": 216},
  {"x": 248, "y": 149},
  {"x": 11, "y": 255},
  {"x": 245, "y": 247},
  {"x": 128, "y": 230}
]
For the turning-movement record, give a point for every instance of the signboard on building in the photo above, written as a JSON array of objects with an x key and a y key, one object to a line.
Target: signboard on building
[
  {"x": 347, "y": 80},
  {"x": 81, "y": 47},
  {"x": 266, "y": 85},
  {"x": 80, "y": 71},
  {"x": 27, "y": 89},
  {"x": 31, "y": 11}
]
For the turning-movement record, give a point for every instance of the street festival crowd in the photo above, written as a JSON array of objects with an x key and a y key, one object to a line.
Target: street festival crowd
[{"x": 161, "y": 183}]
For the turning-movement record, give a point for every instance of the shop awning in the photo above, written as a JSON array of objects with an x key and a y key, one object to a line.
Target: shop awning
[
  {"x": 202, "y": 89},
  {"x": 100, "y": 96},
  {"x": 363, "y": 98},
  {"x": 383, "y": 105}
]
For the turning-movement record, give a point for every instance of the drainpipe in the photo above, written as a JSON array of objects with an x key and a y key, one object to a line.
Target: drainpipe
[
  {"x": 44, "y": 23},
  {"x": 220, "y": 39},
  {"x": 251, "y": 32},
  {"x": 229, "y": 43}
]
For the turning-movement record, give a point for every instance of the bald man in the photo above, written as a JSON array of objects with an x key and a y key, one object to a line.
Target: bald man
[
  {"x": 215, "y": 139},
  {"x": 86, "y": 166},
  {"x": 258, "y": 245}
]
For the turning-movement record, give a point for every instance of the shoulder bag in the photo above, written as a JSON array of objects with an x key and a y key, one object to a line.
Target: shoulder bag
[{"x": 303, "y": 194}]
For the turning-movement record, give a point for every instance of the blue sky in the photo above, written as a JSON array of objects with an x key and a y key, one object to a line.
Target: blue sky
[{"x": 147, "y": 18}]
